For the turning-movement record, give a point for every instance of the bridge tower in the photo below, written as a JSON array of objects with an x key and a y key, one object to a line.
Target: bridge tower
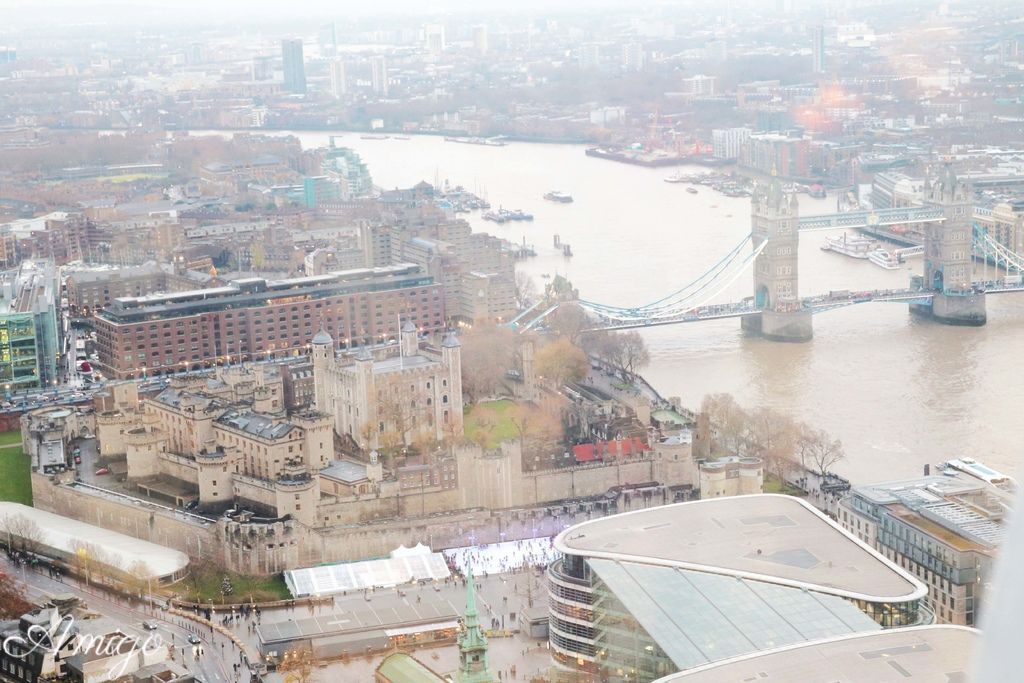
[
  {"x": 948, "y": 255},
  {"x": 775, "y": 220}
]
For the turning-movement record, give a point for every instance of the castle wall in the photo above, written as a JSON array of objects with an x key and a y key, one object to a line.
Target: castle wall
[{"x": 146, "y": 521}]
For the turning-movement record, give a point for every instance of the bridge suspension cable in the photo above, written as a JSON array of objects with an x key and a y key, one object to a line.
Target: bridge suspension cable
[
  {"x": 989, "y": 247},
  {"x": 679, "y": 297},
  {"x": 681, "y": 308}
]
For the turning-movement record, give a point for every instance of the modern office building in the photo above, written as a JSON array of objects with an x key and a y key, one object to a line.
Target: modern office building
[
  {"x": 338, "y": 85},
  {"x": 699, "y": 85},
  {"x": 29, "y": 333},
  {"x": 818, "y": 49},
  {"x": 645, "y": 594},
  {"x": 379, "y": 75},
  {"x": 945, "y": 529},
  {"x": 262, "y": 68},
  {"x": 727, "y": 142},
  {"x": 319, "y": 189},
  {"x": 254, "y": 318},
  {"x": 433, "y": 36},
  {"x": 294, "y": 67},
  {"x": 929, "y": 653},
  {"x": 480, "y": 41}
]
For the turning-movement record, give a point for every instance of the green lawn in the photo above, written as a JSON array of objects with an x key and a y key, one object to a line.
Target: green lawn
[
  {"x": 15, "y": 479},
  {"x": 494, "y": 419},
  {"x": 773, "y": 485},
  {"x": 7, "y": 438},
  {"x": 204, "y": 584}
]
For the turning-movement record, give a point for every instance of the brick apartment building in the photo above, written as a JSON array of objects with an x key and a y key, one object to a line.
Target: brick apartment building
[{"x": 256, "y": 319}]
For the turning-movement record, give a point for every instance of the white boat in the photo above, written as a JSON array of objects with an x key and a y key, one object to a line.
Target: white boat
[
  {"x": 556, "y": 196},
  {"x": 854, "y": 247},
  {"x": 675, "y": 178},
  {"x": 885, "y": 259}
]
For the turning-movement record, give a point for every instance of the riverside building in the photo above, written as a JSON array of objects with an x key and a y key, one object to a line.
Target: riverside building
[
  {"x": 946, "y": 529},
  {"x": 256, "y": 319},
  {"x": 645, "y": 594}
]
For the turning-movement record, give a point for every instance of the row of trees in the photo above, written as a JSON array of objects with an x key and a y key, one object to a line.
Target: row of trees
[
  {"x": 90, "y": 561},
  {"x": 784, "y": 444}
]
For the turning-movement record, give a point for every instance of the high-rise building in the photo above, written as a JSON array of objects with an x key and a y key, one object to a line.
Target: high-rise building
[
  {"x": 262, "y": 68},
  {"x": 328, "y": 36},
  {"x": 633, "y": 56},
  {"x": 818, "y": 49},
  {"x": 294, "y": 68},
  {"x": 338, "y": 86},
  {"x": 433, "y": 36},
  {"x": 727, "y": 142},
  {"x": 589, "y": 56},
  {"x": 699, "y": 85},
  {"x": 480, "y": 39},
  {"x": 379, "y": 75}
]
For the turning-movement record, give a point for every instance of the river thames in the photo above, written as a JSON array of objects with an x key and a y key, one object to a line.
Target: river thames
[{"x": 899, "y": 391}]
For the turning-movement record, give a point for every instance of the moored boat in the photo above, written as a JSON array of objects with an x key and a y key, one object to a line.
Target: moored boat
[
  {"x": 854, "y": 247},
  {"x": 885, "y": 259},
  {"x": 556, "y": 196}
]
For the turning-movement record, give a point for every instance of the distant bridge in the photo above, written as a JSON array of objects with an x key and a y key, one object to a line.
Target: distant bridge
[{"x": 876, "y": 218}]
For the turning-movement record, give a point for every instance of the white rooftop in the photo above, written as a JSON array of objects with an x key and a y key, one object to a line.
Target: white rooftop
[
  {"x": 772, "y": 538},
  {"x": 115, "y": 549},
  {"x": 932, "y": 654}
]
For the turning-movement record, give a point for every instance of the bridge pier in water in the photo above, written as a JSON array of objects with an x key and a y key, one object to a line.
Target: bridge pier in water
[
  {"x": 782, "y": 327},
  {"x": 954, "y": 309}
]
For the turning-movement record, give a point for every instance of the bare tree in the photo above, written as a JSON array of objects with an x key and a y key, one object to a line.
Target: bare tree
[
  {"x": 569, "y": 321},
  {"x": 485, "y": 420},
  {"x": 773, "y": 438},
  {"x": 487, "y": 354},
  {"x": 535, "y": 427},
  {"x": 23, "y": 533},
  {"x": 526, "y": 288},
  {"x": 12, "y": 600},
  {"x": 561, "y": 361},
  {"x": 818, "y": 450},
  {"x": 297, "y": 665},
  {"x": 728, "y": 422},
  {"x": 634, "y": 352}
]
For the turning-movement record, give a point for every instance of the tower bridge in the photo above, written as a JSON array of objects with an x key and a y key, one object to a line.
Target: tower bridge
[{"x": 945, "y": 292}]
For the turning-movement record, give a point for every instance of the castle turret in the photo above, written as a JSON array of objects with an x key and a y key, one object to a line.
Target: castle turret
[
  {"x": 410, "y": 339},
  {"x": 451, "y": 356},
  {"x": 322, "y": 353}
]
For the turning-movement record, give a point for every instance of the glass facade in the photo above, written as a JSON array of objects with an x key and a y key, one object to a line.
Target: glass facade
[
  {"x": 19, "y": 352},
  {"x": 638, "y": 622}
]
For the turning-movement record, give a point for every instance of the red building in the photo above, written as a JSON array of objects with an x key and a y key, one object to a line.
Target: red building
[{"x": 257, "y": 319}]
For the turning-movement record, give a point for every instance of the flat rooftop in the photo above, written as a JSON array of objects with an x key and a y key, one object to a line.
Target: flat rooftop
[
  {"x": 382, "y": 612},
  {"x": 936, "y": 654},
  {"x": 124, "y": 552},
  {"x": 772, "y": 538}
]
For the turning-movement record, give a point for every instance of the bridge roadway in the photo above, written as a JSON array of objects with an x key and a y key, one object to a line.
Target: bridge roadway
[
  {"x": 872, "y": 218},
  {"x": 814, "y": 304}
]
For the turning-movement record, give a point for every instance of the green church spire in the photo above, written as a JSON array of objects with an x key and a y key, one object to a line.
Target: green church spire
[{"x": 473, "y": 667}]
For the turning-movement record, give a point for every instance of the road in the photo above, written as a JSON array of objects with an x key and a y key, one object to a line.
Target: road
[{"x": 214, "y": 666}]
